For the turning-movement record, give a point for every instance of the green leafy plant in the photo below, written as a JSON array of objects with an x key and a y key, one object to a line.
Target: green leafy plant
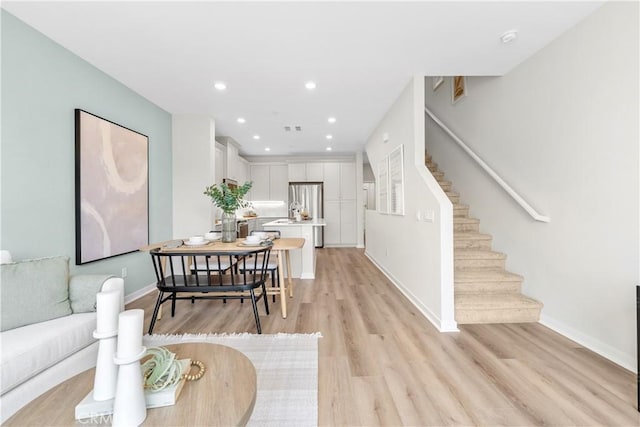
[{"x": 228, "y": 199}]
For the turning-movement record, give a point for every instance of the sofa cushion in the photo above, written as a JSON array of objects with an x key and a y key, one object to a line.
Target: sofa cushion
[
  {"x": 83, "y": 289},
  {"x": 34, "y": 291},
  {"x": 31, "y": 349}
]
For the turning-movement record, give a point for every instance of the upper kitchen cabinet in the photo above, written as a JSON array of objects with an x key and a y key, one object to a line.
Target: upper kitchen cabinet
[
  {"x": 235, "y": 167},
  {"x": 306, "y": 172},
  {"x": 339, "y": 181},
  {"x": 278, "y": 182},
  {"x": 315, "y": 172},
  {"x": 297, "y": 172},
  {"x": 270, "y": 182}
]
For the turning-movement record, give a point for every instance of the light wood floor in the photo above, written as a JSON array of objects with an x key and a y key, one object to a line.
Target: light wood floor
[{"x": 382, "y": 363}]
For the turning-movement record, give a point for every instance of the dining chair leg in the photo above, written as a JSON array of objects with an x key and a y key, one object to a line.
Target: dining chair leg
[
  {"x": 266, "y": 298},
  {"x": 255, "y": 310},
  {"x": 274, "y": 275},
  {"x": 155, "y": 312},
  {"x": 173, "y": 304}
]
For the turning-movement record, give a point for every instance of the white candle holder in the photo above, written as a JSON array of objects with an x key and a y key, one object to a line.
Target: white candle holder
[
  {"x": 105, "y": 379},
  {"x": 129, "y": 407}
]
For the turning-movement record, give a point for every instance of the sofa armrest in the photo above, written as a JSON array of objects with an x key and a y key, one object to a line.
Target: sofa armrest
[{"x": 84, "y": 287}]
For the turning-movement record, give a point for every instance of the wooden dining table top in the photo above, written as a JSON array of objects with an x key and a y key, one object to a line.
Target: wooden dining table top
[{"x": 281, "y": 244}]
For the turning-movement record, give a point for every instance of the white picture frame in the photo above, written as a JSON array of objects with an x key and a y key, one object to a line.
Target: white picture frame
[
  {"x": 396, "y": 181},
  {"x": 459, "y": 89},
  {"x": 383, "y": 186},
  {"x": 436, "y": 82}
]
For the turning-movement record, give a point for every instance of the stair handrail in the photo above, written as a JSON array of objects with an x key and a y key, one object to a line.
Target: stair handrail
[{"x": 501, "y": 182}]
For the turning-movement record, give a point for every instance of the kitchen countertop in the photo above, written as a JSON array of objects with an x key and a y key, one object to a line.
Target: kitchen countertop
[{"x": 285, "y": 222}]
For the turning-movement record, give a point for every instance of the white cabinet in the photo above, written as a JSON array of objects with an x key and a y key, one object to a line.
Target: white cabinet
[
  {"x": 260, "y": 178},
  {"x": 347, "y": 181},
  {"x": 270, "y": 182},
  {"x": 348, "y": 234},
  {"x": 243, "y": 171},
  {"x": 332, "y": 181},
  {"x": 315, "y": 172},
  {"x": 340, "y": 203},
  {"x": 297, "y": 172},
  {"x": 278, "y": 183},
  {"x": 332, "y": 219},
  {"x": 232, "y": 162},
  {"x": 340, "y": 216},
  {"x": 306, "y": 172}
]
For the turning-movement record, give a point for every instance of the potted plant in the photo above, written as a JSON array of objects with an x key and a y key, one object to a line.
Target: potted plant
[{"x": 229, "y": 200}]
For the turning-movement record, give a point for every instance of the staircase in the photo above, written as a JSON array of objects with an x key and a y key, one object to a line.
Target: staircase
[{"x": 484, "y": 291}]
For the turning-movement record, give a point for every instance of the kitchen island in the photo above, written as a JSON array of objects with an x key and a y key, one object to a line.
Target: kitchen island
[{"x": 303, "y": 262}]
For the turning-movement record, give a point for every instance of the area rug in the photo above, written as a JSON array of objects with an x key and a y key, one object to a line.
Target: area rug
[{"x": 286, "y": 369}]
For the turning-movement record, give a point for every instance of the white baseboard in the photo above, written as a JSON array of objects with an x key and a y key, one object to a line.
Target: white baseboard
[
  {"x": 430, "y": 315},
  {"x": 616, "y": 356},
  {"x": 139, "y": 293}
]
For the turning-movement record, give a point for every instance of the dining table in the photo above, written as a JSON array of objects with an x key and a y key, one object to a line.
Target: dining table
[{"x": 281, "y": 246}]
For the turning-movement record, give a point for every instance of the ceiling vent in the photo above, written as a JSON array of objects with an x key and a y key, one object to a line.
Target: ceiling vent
[
  {"x": 287, "y": 128},
  {"x": 298, "y": 128}
]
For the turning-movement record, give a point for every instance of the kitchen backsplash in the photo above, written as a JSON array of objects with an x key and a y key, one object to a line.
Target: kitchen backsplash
[{"x": 270, "y": 208}]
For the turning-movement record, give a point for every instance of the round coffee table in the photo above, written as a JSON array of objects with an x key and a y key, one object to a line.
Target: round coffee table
[{"x": 224, "y": 396}]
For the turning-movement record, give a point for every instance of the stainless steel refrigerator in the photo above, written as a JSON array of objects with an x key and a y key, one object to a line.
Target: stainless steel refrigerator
[{"x": 311, "y": 197}]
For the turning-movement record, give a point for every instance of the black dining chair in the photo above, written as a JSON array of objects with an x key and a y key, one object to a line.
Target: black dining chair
[
  {"x": 176, "y": 280},
  {"x": 272, "y": 264}
]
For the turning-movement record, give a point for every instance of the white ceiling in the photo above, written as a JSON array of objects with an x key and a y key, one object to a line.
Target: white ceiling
[{"x": 360, "y": 54}]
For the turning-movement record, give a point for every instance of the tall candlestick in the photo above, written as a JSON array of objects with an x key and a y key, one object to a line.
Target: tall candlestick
[
  {"x": 105, "y": 378},
  {"x": 115, "y": 284},
  {"x": 108, "y": 309},
  {"x": 130, "y": 333},
  {"x": 129, "y": 407}
]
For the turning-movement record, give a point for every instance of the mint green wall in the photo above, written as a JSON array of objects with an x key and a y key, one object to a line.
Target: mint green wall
[{"x": 42, "y": 84}]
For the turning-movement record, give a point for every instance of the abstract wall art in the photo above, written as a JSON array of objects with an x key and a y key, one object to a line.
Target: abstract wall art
[{"x": 112, "y": 188}]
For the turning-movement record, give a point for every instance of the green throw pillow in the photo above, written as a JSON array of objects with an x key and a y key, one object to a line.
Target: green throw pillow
[
  {"x": 33, "y": 291},
  {"x": 83, "y": 289}
]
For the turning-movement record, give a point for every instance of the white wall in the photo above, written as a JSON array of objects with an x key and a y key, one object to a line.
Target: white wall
[
  {"x": 416, "y": 256},
  {"x": 562, "y": 129},
  {"x": 193, "y": 170}
]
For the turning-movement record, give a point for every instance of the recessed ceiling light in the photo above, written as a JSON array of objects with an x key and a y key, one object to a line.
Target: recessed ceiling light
[
  {"x": 256, "y": 136},
  {"x": 328, "y": 148},
  {"x": 331, "y": 119},
  {"x": 329, "y": 136},
  {"x": 220, "y": 85},
  {"x": 240, "y": 120},
  {"x": 267, "y": 149},
  {"x": 310, "y": 85},
  {"x": 509, "y": 36}
]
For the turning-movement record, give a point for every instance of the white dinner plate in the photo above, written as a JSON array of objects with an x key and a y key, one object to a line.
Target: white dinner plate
[
  {"x": 188, "y": 243},
  {"x": 249, "y": 244}
]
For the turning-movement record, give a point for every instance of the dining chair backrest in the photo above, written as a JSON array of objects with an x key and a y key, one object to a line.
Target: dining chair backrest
[{"x": 174, "y": 272}]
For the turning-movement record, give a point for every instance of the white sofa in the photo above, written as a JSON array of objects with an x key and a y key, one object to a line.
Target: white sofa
[{"x": 37, "y": 356}]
